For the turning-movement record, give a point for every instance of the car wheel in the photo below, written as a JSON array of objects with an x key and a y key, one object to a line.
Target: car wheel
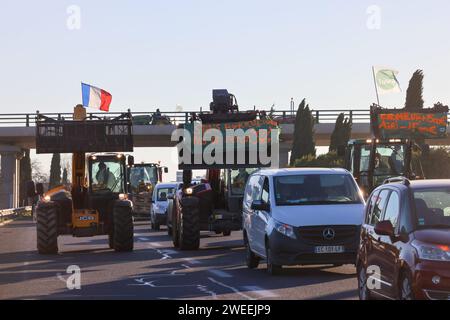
[
  {"x": 227, "y": 233},
  {"x": 272, "y": 269},
  {"x": 251, "y": 259},
  {"x": 406, "y": 292},
  {"x": 363, "y": 290}
]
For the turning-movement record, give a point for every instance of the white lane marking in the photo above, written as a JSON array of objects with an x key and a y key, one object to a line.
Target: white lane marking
[
  {"x": 165, "y": 255},
  {"x": 142, "y": 239},
  {"x": 220, "y": 273},
  {"x": 186, "y": 266},
  {"x": 169, "y": 251},
  {"x": 192, "y": 261},
  {"x": 156, "y": 244},
  {"x": 260, "y": 291},
  {"x": 230, "y": 288},
  {"x": 205, "y": 289}
]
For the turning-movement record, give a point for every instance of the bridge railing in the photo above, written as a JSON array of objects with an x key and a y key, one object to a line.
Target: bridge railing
[{"x": 178, "y": 117}]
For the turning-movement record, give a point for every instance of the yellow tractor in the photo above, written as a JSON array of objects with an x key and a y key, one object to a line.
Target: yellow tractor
[{"x": 96, "y": 202}]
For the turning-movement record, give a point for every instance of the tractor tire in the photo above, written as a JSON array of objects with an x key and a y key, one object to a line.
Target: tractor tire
[
  {"x": 189, "y": 224},
  {"x": 123, "y": 234},
  {"x": 175, "y": 235},
  {"x": 111, "y": 240},
  {"x": 47, "y": 229}
]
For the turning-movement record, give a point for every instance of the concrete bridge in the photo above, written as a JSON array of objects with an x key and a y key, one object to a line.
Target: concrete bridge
[{"x": 17, "y": 133}]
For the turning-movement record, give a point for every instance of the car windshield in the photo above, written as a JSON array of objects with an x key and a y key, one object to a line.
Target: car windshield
[
  {"x": 433, "y": 208},
  {"x": 107, "y": 176},
  {"x": 162, "y": 193},
  {"x": 314, "y": 189}
]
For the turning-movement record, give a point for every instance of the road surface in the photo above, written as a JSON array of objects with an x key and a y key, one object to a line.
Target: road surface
[{"x": 155, "y": 270}]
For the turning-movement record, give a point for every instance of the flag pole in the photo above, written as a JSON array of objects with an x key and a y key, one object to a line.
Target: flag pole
[{"x": 376, "y": 88}]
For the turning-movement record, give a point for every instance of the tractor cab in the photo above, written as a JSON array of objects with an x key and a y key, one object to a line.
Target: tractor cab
[
  {"x": 233, "y": 183},
  {"x": 373, "y": 161},
  {"x": 143, "y": 178}
]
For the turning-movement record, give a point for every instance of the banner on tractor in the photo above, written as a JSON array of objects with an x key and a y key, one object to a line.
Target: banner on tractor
[
  {"x": 249, "y": 144},
  {"x": 428, "y": 123}
]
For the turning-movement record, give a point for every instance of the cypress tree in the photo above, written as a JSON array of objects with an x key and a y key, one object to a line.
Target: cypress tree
[
  {"x": 341, "y": 133},
  {"x": 64, "y": 177},
  {"x": 303, "y": 143},
  {"x": 414, "y": 99},
  {"x": 25, "y": 176},
  {"x": 55, "y": 171}
]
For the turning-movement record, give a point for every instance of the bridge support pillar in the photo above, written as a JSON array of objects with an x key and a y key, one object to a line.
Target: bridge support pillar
[
  {"x": 284, "y": 154},
  {"x": 9, "y": 176}
]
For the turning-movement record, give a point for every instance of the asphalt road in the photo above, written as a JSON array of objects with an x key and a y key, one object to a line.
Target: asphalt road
[{"x": 155, "y": 270}]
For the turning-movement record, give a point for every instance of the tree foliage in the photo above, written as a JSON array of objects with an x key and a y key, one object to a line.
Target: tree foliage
[
  {"x": 414, "y": 94},
  {"x": 25, "y": 176},
  {"x": 55, "y": 171},
  {"x": 328, "y": 160},
  {"x": 303, "y": 144},
  {"x": 341, "y": 133}
]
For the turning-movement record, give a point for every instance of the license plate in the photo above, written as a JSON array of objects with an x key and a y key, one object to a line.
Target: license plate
[{"x": 329, "y": 249}]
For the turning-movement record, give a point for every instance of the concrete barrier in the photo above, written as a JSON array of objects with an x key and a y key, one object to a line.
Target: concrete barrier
[{"x": 8, "y": 214}]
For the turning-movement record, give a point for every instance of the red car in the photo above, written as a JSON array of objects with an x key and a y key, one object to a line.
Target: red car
[{"x": 404, "y": 251}]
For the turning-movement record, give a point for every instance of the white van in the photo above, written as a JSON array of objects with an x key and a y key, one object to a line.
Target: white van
[
  {"x": 301, "y": 216},
  {"x": 158, "y": 210}
]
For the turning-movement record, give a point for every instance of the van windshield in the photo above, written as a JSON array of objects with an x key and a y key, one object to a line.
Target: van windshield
[{"x": 315, "y": 189}]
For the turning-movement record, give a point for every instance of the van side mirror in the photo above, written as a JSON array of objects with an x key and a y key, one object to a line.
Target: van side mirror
[
  {"x": 259, "y": 205},
  {"x": 166, "y": 170},
  {"x": 384, "y": 228},
  {"x": 130, "y": 161},
  {"x": 40, "y": 189},
  {"x": 31, "y": 189}
]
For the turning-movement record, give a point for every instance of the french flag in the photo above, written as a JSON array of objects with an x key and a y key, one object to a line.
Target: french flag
[{"x": 94, "y": 97}]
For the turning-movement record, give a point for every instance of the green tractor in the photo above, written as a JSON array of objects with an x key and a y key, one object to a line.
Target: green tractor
[
  {"x": 143, "y": 178},
  {"x": 399, "y": 139}
]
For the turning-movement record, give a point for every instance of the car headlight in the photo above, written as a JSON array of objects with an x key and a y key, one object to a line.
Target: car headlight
[
  {"x": 433, "y": 252},
  {"x": 285, "y": 229},
  {"x": 47, "y": 198},
  {"x": 189, "y": 191}
]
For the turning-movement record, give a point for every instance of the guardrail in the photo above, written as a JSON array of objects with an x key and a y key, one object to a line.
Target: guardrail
[
  {"x": 8, "y": 214},
  {"x": 174, "y": 117}
]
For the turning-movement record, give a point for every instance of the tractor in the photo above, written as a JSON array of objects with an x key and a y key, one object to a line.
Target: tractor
[
  {"x": 96, "y": 203},
  {"x": 398, "y": 135},
  {"x": 143, "y": 178},
  {"x": 214, "y": 204}
]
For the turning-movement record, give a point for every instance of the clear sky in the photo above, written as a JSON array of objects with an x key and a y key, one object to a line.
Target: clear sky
[{"x": 152, "y": 54}]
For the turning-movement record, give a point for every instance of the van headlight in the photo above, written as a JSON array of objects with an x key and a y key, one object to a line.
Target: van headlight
[
  {"x": 433, "y": 252},
  {"x": 284, "y": 229}
]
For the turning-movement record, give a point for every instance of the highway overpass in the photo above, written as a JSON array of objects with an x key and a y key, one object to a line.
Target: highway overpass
[{"x": 17, "y": 132}]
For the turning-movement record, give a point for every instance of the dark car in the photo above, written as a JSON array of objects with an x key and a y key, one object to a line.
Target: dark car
[{"x": 405, "y": 241}]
